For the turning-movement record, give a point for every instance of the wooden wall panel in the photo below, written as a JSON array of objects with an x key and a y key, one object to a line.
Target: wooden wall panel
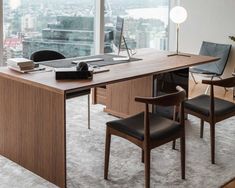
[
  {"x": 99, "y": 95},
  {"x": 32, "y": 129}
]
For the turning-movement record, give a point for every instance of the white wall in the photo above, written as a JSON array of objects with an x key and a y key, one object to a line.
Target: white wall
[{"x": 209, "y": 20}]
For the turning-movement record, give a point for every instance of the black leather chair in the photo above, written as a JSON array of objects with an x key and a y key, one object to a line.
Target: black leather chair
[
  {"x": 211, "y": 109},
  {"x": 214, "y": 69},
  {"x": 48, "y": 55},
  {"x": 148, "y": 130}
]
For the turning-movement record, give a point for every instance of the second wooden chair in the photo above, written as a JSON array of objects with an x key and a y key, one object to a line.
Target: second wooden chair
[
  {"x": 211, "y": 109},
  {"x": 148, "y": 130}
]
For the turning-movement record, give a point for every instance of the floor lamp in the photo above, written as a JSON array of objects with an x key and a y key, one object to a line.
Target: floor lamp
[{"x": 178, "y": 15}]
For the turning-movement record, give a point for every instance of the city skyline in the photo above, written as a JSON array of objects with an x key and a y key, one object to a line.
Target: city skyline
[{"x": 146, "y": 22}]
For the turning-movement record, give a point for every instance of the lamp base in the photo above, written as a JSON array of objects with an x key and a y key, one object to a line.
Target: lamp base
[{"x": 178, "y": 54}]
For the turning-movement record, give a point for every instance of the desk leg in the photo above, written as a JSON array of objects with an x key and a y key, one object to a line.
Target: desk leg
[{"x": 32, "y": 129}]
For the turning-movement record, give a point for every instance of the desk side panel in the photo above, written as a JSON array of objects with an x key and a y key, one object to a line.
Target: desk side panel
[
  {"x": 32, "y": 129},
  {"x": 120, "y": 97}
]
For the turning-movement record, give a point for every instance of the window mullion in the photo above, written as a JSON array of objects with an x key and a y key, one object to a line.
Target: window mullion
[{"x": 99, "y": 27}]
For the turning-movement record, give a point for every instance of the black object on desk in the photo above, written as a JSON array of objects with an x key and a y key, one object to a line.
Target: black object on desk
[
  {"x": 82, "y": 66},
  {"x": 68, "y": 74}
]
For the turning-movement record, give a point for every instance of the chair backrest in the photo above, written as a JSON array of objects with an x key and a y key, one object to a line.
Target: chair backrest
[
  {"x": 216, "y": 50},
  {"x": 172, "y": 99},
  {"x": 46, "y": 55}
]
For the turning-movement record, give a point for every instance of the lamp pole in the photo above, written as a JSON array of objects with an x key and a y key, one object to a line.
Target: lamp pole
[
  {"x": 178, "y": 15},
  {"x": 177, "y": 39},
  {"x": 177, "y": 44}
]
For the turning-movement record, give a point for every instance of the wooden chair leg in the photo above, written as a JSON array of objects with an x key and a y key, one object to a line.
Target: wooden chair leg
[
  {"x": 182, "y": 148},
  {"x": 142, "y": 157},
  {"x": 147, "y": 167},
  {"x": 175, "y": 118},
  {"x": 107, "y": 153},
  {"x": 212, "y": 131},
  {"x": 225, "y": 89},
  {"x": 202, "y": 128},
  {"x": 173, "y": 144}
]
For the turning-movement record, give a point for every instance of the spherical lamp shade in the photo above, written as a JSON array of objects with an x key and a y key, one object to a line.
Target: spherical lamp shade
[{"x": 178, "y": 14}]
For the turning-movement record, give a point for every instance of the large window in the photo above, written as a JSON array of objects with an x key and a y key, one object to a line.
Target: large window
[
  {"x": 145, "y": 21},
  {"x": 66, "y": 26}
]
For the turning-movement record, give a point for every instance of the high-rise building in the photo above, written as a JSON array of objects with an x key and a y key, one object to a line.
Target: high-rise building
[
  {"x": 28, "y": 23},
  {"x": 72, "y": 36}
]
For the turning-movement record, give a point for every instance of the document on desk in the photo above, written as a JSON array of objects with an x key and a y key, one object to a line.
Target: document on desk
[
  {"x": 35, "y": 70},
  {"x": 100, "y": 70},
  {"x": 88, "y": 60}
]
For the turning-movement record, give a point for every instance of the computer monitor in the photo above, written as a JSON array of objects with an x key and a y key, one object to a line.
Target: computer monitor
[
  {"x": 118, "y": 38},
  {"x": 118, "y": 33}
]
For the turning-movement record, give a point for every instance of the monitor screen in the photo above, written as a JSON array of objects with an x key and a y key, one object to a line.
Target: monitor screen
[{"x": 118, "y": 33}]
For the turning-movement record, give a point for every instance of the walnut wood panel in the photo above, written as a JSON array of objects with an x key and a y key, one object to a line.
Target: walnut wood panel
[
  {"x": 32, "y": 129},
  {"x": 117, "y": 98},
  {"x": 99, "y": 95},
  {"x": 153, "y": 62},
  {"x": 120, "y": 96}
]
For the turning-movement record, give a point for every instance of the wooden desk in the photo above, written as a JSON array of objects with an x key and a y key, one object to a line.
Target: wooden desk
[{"x": 32, "y": 109}]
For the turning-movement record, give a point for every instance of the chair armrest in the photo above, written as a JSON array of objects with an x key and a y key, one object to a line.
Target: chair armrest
[
  {"x": 209, "y": 82},
  {"x": 147, "y": 100},
  {"x": 165, "y": 100},
  {"x": 227, "y": 82}
]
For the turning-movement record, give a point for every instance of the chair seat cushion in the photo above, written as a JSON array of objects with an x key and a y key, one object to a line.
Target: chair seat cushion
[
  {"x": 160, "y": 127},
  {"x": 201, "y": 105}
]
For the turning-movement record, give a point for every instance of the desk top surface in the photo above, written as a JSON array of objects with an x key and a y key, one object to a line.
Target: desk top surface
[{"x": 153, "y": 62}]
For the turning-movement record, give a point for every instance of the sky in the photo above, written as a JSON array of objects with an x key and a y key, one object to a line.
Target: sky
[
  {"x": 150, "y": 13},
  {"x": 15, "y": 4}
]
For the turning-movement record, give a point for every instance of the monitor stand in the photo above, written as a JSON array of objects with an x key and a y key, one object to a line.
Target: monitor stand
[{"x": 127, "y": 50}]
